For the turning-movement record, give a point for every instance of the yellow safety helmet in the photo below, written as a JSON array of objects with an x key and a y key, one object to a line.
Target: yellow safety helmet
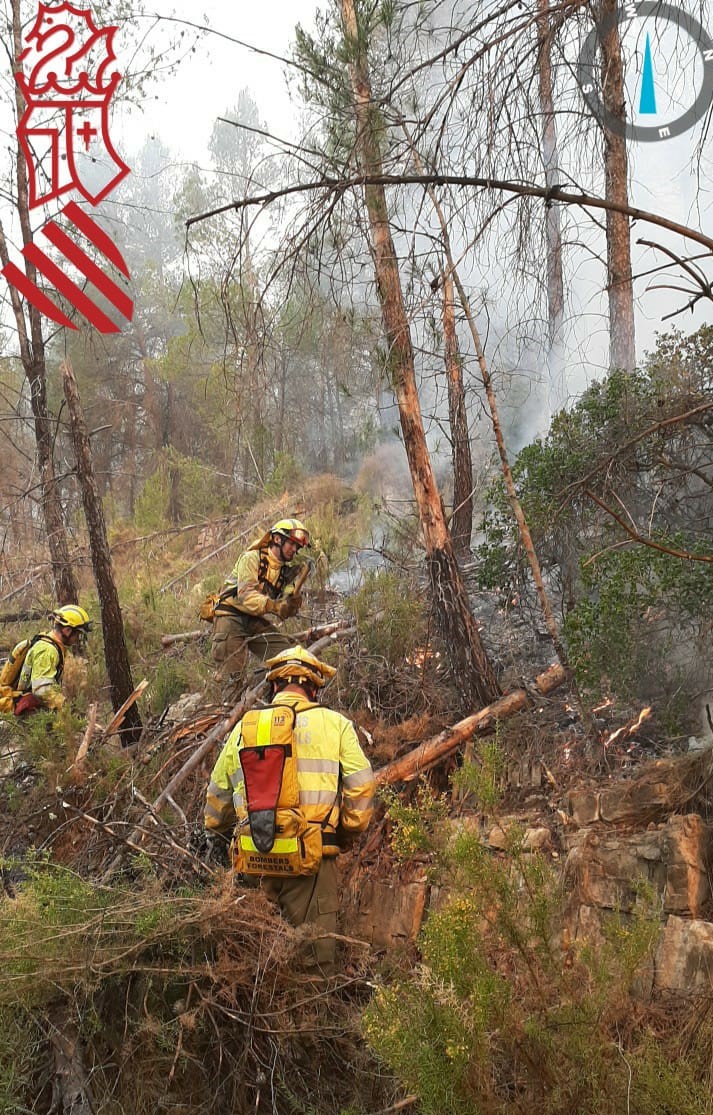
[
  {"x": 292, "y": 529},
  {"x": 297, "y": 664},
  {"x": 71, "y": 615}
]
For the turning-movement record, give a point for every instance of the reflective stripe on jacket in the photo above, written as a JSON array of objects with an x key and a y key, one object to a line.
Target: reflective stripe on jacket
[{"x": 335, "y": 779}]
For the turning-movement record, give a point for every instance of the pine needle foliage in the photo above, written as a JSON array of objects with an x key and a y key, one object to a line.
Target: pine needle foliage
[{"x": 618, "y": 498}]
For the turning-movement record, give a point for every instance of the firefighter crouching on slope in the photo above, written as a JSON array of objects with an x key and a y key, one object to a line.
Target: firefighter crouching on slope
[
  {"x": 260, "y": 585},
  {"x": 297, "y": 781},
  {"x": 31, "y": 678}
]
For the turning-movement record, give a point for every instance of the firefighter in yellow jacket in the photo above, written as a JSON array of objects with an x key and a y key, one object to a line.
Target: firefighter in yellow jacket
[
  {"x": 37, "y": 684},
  {"x": 334, "y": 794},
  {"x": 260, "y": 585}
]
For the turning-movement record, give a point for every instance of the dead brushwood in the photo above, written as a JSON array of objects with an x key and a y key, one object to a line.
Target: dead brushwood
[
  {"x": 388, "y": 741},
  {"x": 667, "y": 786},
  {"x": 189, "y": 1000}
]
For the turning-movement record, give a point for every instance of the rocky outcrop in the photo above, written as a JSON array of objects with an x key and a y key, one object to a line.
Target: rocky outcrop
[
  {"x": 615, "y": 838},
  {"x": 603, "y": 868},
  {"x": 684, "y": 957},
  {"x": 386, "y": 913}
]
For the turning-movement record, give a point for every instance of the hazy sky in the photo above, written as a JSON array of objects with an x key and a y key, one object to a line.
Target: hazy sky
[
  {"x": 208, "y": 82},
  {"x": 183, "y": 107}
]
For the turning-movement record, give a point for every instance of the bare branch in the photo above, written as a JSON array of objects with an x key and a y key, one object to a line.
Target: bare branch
[
  {"x": 523, "y": 189},
  {"x": 685, "y": 555}
]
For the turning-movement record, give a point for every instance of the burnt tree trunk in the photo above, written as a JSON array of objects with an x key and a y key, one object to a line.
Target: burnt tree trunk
[
  {"x": 511, "y": 490},
  {"x": 32, "y": 357},
  {"x": 622, "y": 351},
  {"x": 66, "y": 589},
  {"x": 467, "y": 656},
  {"x": 115, "y": 652},
  {"x": 462, "y": 518},
  {"x": 556, "y": 388}
]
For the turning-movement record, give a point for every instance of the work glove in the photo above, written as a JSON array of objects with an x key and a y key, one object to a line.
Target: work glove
[
  {"x": 346, "y": 839},
  {"x": 290, "y": 606},
  {"x": 292, "y": 603},
  {"x": 216, "y": 850}
]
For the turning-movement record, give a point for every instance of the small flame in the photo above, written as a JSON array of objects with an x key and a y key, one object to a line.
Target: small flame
[
  {"x": 606, "y": 704},
  {"x": 628, "y": 729},
  {"x": 421, "y": 656}
]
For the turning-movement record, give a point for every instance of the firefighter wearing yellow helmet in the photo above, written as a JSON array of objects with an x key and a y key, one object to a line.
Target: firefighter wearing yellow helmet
[
  {"x": 259, "y": 586},
  {"x": 32, "y": 676},
  {"x": 333, "y": 798}
]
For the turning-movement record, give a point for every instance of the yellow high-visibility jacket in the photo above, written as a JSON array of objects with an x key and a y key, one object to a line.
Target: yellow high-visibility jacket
[
  {"x": 41, "y": 671},
  {"x": 335, "y": 779},
  {"x": 257, "y": 577}
]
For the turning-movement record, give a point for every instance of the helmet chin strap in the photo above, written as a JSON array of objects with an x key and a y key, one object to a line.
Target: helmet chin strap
[{"x": 280, "y": 546}]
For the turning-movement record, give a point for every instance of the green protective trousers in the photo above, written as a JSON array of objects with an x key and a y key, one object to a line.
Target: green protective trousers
[
  {"x": 237, "y": 637},
  {"x": 311, "y": 900}
]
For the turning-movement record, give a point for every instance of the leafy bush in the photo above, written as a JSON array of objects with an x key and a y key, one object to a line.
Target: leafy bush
[
  {"x": 180, "y": 490},
  {"x": 503, "y": 1015},
  {"x": 618, "y": 489}
]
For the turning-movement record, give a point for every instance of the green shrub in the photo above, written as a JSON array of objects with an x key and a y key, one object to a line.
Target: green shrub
[
  {"x": 21, "y": 1049},
  {"x": 170, "y": 679},
  {"x": 180, "y": 490},
  {"x": 628, "y": 457},
  {"x": 286, "y": 473},
  {"x": 503, "y": 1015},
  {"x": 47, "y": 739}
]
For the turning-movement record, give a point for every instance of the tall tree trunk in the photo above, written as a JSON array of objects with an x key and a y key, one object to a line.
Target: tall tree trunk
[
  {"x": 340, "y": 452},
  {"x": 510, "y": 489},
  {"x": 622, "y": 349},
  {"x": 462, "y": 519},
  {"x": 32, "y": 356},
  {"x": 174, "y": 494},
  {"x": 467, "y": 656},
  {"x": 556, "y": 387},
  {"x": 115, "y": 652}
]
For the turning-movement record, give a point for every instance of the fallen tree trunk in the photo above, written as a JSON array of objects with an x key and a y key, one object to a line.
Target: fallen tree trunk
[
  {"x": 432, "y": 750},
  {"x": 20, "y": 617},
  {"x": 305, "y": 637},
  {"x": 183, "y": 637}
]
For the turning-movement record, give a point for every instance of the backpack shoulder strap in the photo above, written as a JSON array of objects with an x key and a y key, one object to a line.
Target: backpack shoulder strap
[
  {"x": 44, "y": 638},
  {"x": 273, "y": 590}
]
